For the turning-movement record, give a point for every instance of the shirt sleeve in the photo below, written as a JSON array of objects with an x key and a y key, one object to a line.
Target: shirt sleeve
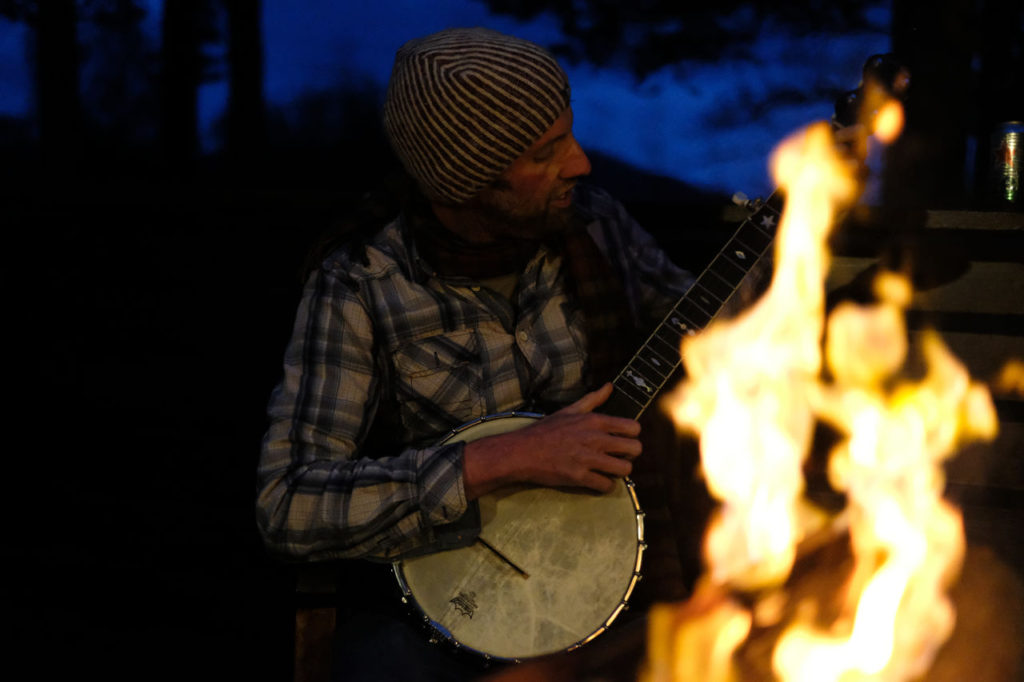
[{"x": 320, "y": 496}]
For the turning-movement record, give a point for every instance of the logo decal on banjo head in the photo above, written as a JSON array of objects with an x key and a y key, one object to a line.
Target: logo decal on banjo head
[{"x": 465, "y": 603}]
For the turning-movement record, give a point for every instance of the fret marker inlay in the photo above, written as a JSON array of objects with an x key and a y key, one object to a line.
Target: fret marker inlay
[
  {"x": 685, "y": 328},
  {"x": 639, "y": 382},
  {"x": 655, "y": 363}
]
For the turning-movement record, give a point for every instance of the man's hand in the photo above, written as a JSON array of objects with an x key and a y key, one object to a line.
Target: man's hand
[{"x": 574, "y": 447}]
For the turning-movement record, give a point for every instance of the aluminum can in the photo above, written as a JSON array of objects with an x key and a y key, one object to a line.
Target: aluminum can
[{"x": 1007, "y": 147}]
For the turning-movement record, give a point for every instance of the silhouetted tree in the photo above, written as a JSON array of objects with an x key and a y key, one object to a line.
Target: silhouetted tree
[
  {"x": 119, "y": 75},
  {"x": 245, "y": 129},
  {"x": 58, "y": 104},
  {"x": 181, "y": 68},
  {"x": 645, "y": 35},
  {"x": 332, "y": 138},
  {"x": 187, "y": 27},
  {"x": 16, "y": 10}
]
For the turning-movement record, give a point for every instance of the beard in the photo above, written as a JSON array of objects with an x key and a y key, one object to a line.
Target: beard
[{"x": 509, "y": 216}]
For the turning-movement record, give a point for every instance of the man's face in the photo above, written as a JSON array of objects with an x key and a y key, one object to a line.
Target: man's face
[{"x": 533, "y": 197}]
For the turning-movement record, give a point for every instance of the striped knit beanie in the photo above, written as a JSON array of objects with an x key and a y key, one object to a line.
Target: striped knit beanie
[{"x": 464, "y": 103}]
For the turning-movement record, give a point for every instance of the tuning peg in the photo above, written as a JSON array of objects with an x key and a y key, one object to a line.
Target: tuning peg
[
  {"x": 887, "y": 71},
  {"x": 740, "y": 199},
  {"x": 847, "y": 108}
]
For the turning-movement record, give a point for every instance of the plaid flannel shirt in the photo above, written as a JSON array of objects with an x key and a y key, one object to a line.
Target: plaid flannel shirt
[{"x": 387, "y": 342}]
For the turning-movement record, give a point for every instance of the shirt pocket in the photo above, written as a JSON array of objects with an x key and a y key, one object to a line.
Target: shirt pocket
[{"x": 440, "y": 380}]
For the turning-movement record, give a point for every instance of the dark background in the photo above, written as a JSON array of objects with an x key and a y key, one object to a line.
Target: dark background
[{"x": 153, "y": 289}]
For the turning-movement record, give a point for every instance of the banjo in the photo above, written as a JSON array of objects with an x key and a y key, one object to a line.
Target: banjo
[{"x": 552, "y": 568}]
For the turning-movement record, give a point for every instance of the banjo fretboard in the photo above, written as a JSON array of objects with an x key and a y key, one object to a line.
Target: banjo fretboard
[{"x": 639, "y": 383}]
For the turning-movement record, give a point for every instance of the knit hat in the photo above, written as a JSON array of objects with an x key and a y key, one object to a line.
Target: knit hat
[{"x": 464, "y": 103}]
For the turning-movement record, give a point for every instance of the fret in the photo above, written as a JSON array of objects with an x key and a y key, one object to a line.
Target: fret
[
  {"x": 660, "y": 353},
  {"x": 664, "y": 352},
  {"x": 669, "y": 334},
  {"x": 646, "y": 384},
  {"x": 628, "y": 388},
  {"x": 716, "y": 285},
  {"x": 694, "y": 313},
  {"x": 704, "y": 299},
  {"x": 739, "y": 255},
  {"x": 652, "y": 365},
  {"x": 622, "y": 405},
  {"x": 681, "y": 323},
  {"x": 753, "y": 238},
  {"x": 730, "y": 272}
]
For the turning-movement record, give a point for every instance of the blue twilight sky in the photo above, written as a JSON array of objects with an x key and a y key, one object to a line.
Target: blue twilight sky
[{"x": 689, "y": 122}]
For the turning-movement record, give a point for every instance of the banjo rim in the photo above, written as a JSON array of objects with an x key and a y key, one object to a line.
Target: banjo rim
[{"x": 440, "y": 634}]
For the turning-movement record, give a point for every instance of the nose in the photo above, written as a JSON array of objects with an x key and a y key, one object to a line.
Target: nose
[{"x": 576, "y": 162}]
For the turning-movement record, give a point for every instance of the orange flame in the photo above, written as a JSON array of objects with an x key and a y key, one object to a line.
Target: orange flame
[
  {"x": 739, "y": 395},
  {"x": 888, "y": 122},
  {"x": 753, "y": 393}
]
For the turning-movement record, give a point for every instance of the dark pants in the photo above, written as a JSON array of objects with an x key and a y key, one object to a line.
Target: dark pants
[{"x": 381, "y": 646}]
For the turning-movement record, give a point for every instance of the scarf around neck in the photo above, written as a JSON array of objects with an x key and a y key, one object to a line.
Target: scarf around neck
[{"x": 590, "y": 279}]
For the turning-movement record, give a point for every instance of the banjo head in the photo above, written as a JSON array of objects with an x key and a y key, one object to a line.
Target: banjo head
[{"x": 554, "y": 571}]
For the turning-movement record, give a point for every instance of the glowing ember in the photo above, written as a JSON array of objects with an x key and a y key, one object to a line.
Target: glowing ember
[
  {"x": 755, "y": 389},
  {"x": 889, "y": 122},
  {"x": 1011, "y": 378}
]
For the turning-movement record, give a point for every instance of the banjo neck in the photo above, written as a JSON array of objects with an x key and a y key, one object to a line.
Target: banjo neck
[{"x": 651, "y": 367}]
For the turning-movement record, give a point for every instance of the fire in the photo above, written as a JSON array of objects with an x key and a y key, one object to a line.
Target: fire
[
  {"x": 756, "y": 387},
  {"x": 888, "y": 122},
  {"x": 1011, "y": 379},
  {"x": 743, "y": 392}
]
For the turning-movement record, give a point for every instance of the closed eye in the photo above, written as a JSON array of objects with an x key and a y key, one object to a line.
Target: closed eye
[{"x": 544, "y": 154}]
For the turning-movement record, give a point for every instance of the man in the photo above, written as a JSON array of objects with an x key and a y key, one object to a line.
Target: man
[{"x": 506, "y": 285}]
